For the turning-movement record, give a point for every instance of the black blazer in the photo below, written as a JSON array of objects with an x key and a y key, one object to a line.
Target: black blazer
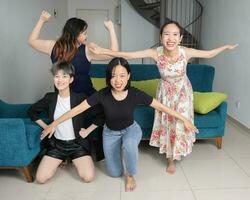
[{"x": 48, "y": 104}]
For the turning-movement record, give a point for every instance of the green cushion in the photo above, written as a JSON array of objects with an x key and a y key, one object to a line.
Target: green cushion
[
  {"x": 205, "y": 102},
  {"x": 98, "y": 83},
  {"x": 148, "y": 86}
]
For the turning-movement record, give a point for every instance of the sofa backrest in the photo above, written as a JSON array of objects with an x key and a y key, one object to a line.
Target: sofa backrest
[
  {"x": 13, "y": 110},
  {"x": 201, "y": 76}
]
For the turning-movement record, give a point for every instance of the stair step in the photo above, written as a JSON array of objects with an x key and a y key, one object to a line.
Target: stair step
[{"x": 149, "y": 5}]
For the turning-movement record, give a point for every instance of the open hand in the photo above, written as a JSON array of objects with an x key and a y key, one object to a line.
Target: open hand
[
  {"x": 190, "y": 127},
  {"x": 109, "y": 25},
  {"x": 45, "y": 16},
  {"x": 232, "y": 46},
  {"x": 49, "y": 130}
]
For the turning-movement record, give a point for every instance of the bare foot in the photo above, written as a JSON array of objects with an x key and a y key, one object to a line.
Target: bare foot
[
  {"x": 171, "y": 166},
  {"x": 130, "y": 184}
]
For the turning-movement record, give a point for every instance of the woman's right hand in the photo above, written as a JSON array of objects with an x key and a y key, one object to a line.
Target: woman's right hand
[
  {"x": 49, "y": 130},
  {"x": 45, "y": 16}
]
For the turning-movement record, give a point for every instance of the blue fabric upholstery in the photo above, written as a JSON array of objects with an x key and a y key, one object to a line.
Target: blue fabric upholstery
[
  {"x": 19, "y": 137},
  {"x": 201, "y": 76}
]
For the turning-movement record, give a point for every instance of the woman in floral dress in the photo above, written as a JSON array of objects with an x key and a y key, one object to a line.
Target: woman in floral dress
[{"x": 174, "y": 89}]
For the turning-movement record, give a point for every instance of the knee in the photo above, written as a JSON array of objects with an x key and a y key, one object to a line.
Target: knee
[
  {"x": 87, "y": 178},
  {"x": 114, "y": 174},
  {"x": 41, "y": 179}
]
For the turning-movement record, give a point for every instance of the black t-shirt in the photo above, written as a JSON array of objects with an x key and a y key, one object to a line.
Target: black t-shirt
[{"x": 119, "y": 114}]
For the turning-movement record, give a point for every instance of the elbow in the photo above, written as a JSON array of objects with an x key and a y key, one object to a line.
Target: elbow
[{"x": 31, "y": 42}]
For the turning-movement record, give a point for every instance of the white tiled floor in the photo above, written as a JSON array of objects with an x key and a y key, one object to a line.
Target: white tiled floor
[{"x": 206, "y": 174}]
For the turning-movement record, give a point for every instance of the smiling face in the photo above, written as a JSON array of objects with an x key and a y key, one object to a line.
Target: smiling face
[
  {"x": 171, "y": 37},
  {"x": 119, "y": 79},
  {"x": 62, "y": 80}
]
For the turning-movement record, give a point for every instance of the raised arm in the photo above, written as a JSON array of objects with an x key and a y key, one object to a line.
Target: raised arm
[
  {"x": 114, "y": 46},
  {"x": 113, "y": 43},
  {"x": 44, "y": 46},
  {"x": 148, "y": 53},
  {"x": 188, "y": 125},
  {"x": 73, "y": 112},
  {"x": 194, "y": 53}
]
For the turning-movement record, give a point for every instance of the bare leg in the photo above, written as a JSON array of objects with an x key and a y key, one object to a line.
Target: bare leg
[
  {"x": 130, "y": 183},
  {"x": 85, "y": 168},
  {"x": 47, "y": 169},
  {"x": 170, "y": 166}
]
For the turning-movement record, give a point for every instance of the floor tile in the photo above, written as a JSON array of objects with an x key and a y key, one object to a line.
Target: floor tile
[{"x": 223, "y": 173}]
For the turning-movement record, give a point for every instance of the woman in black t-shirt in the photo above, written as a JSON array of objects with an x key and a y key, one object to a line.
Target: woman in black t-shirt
[{"x": 121, "y": 132}]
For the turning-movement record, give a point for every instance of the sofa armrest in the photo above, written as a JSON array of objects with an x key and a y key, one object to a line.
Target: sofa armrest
[
  {"x": 222, "y": 111},
  {"x": 13, "y": 141}
]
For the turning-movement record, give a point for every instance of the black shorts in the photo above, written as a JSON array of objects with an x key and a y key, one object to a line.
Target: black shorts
[{"x": 67, "y": 149}]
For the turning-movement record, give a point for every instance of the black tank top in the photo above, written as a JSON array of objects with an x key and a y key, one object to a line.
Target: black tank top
[{"x": 82, "y": 81}]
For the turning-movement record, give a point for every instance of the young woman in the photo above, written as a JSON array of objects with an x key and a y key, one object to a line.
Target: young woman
[
  {"x": 67, "y": 142},
  {"x": 121, "y": 133},
  {"x": 72, "y": 47},
  {"x": 174, "y": 90}
]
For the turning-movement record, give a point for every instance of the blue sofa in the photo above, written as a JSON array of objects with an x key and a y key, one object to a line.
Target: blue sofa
[
  {"x": 19, "y": 138},
  {"x": 210, "y": 125}
]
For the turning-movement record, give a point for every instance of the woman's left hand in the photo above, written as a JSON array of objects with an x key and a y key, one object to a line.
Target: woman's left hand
[
  {"x": 49, "y": 130},
  {"x": 109, "y": 25},
  {"x": 190, "y": 127}
]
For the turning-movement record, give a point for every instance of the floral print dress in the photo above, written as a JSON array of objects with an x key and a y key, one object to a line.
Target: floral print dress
[{"x": 174, "y": 91}]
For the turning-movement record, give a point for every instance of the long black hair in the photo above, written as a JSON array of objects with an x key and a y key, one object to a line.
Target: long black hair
[{"x": 66, "y": 46}]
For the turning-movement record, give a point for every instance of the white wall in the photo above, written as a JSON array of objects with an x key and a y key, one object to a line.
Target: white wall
[
  {"x": 136, "y": 32},
  {"x": 24, "y": 73},
  {"x": 227, "y": 21},
  {"x": 110, "y": 5}
]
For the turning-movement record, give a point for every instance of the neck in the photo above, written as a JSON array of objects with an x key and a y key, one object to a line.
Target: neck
[
  {"x": 64, "y": 93},
  {"x": 119, "y": 95}
]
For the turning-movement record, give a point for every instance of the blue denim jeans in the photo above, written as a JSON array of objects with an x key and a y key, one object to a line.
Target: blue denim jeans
[{"x": 121, "y": 144}]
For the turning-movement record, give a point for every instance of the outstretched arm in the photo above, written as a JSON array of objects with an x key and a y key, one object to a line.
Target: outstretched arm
[
  {"x": 148, "y": 53},
  {"x": 73, "y": 112},
  {"x": 44, "y": 46},
  {"x": 188, "y": 125},
  {"x": 194, "y": 53},
  {"x": 41, "y": 123}
]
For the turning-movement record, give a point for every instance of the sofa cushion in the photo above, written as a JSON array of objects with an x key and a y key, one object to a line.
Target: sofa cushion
[
  {"x": 148, "y": 86},
  {"x": 205, "y": 102},
  {"x": 210, "y": 120},
  {"x": 98, "y": 83}
]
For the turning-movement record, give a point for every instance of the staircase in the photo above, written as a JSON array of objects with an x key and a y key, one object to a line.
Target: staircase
[{"x": 187, "y": 12}]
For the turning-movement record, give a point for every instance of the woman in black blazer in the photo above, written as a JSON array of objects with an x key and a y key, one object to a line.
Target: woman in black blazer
[{"x": 67, "y": 142}]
